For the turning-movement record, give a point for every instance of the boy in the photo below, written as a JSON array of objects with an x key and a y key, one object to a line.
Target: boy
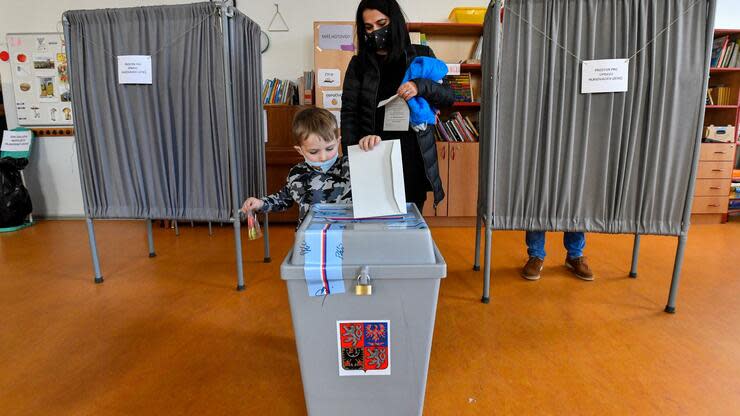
[{"x": 322, "y": 178}]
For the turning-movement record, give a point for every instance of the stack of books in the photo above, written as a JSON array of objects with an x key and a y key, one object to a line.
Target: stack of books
[
  {"x": 279, "y": 92},
  {"x": 305, "y": 88},
  {"x": 462, "y": 87},
  {"x": 721, "y": 95},
  {"x": 456, "y": 129},
  {"x": 726, "y": 53}
]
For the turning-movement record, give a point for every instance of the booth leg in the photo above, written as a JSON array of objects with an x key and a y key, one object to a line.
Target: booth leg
[
  {"x": 635, "y": 255},
  {"x": 238, "y": 247},
  {"x": 94, "y": 251},
  {"x": 266, "y": 234},
  {"x": 150, "y": 237},
  {"x": 671, "y": 306},
  {"x": 476, "y": 258}
]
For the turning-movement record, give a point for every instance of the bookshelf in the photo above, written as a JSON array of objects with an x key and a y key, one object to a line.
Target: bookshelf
[
  {"x": 455, "y": 43},
  {"x": 712, "y": 197}
]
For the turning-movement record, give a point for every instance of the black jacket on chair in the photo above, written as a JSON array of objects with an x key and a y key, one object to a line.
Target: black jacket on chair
[{"x": 359, "y": 97}]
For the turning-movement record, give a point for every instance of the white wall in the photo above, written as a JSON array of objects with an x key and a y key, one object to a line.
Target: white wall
[
  {"x": 728, "y": 14},
  {"x": 53, "y": 177}
]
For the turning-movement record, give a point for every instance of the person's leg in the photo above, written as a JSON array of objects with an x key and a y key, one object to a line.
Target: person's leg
[
  {"x": 536, "y": 244},
  {"x": 575, "y": 261},
  {"x": 574, "y": 243},
  {"x": 536, "y": 250}
]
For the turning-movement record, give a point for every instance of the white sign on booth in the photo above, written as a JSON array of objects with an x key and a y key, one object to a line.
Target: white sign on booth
[
  {"x": 134, "y": 69},
  {"x": 605, "y": 75}
]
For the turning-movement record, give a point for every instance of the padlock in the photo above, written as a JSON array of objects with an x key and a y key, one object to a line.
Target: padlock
[{"x": 363, "y": 287}]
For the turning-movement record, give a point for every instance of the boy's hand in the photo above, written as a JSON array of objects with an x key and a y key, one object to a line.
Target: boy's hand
[
  {"x": 252, "y": 204},
  {"x": 408, "y": 90},
  {"x": 368, "y": 142}
]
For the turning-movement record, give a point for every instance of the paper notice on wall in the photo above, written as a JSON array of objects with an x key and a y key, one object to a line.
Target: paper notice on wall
[
  {"x": 16, "y": 141},
  {"x": 397, "y": 114},
  {"x": 338, "y": 116},
  {"x": 332, "y": 99},
  {"x": 605, "y": 75},
  {"x": 329, "y": 78},
  {"x": 337, "y": 37},
  {"x": 134, "y": 69}
]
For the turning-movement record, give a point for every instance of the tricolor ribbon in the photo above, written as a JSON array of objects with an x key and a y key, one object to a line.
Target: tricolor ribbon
[{"x": 322, "y": 266}]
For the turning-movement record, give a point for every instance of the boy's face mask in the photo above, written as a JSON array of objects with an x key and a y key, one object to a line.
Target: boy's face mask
[
  {"x": 379, "y": 39},
  {"x": 323, "y": 166}
]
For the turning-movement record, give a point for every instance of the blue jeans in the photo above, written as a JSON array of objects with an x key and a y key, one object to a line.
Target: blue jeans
[{"x": 573, "y": 242}]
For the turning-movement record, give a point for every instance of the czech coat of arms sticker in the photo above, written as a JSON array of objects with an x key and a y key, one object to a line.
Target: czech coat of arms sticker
[{"x": 364, "y": 348}]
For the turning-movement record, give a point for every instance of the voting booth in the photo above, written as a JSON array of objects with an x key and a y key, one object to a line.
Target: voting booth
[
  {"x": 592, "y": 115},
  {"x": 168, "y": 118},
  {"x": 363, "y": 298}
]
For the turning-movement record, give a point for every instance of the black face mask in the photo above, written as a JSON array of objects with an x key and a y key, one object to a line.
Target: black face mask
[{"x": 379, "y": 39}]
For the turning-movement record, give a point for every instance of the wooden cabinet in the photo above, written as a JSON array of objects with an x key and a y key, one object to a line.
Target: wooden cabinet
[
  {"x": 463, "y": 180},
  {"x": 711, "y": 195},
  {"x": 458, "y": 169}
]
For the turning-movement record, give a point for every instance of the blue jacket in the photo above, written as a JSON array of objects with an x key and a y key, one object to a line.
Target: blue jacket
[{"x": 428, "y": 68}]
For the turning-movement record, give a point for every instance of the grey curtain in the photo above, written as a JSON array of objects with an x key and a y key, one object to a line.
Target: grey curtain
[
  {"x": 614, "y": 162},
  {"x": 246, "y": 73},
  {"x": 161, "y": 150}
]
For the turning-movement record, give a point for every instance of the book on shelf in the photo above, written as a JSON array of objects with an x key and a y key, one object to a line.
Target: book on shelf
[
  {"x": 725, "y": 52},
  {"x": 415, "y": 38},
  {"x": 305, "y": 88},
  {"x": 462, "y": 87},
  {"x": 722, "y": 95},
  {"x": 456, "y": 129},
  {"x": 278, "y": 91},
  {"x": 478, "y": 51}
]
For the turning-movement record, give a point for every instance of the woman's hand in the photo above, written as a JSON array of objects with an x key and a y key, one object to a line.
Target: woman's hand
[
  {"x": 252, "y": 204},
  {"x": 408, "y": 90},
  {"x": 368, "y": 142}
]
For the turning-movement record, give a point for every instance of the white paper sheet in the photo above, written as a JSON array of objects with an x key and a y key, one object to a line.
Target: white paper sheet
[
  {"x": 605, "y": 75},
  {"x": 377, "y": 180},
  {"x": 134, "y": 69},
  {"x": 329, "y": 78},
  {"x": 333, "y": 99},
  {"x": 397, "y": 114},
  {"x": 16, "y": 141}
]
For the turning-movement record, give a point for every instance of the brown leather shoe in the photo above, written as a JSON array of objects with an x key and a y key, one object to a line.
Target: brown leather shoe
[
  {"x": 532, "y": 269},
  {"x": 580, "y": 268}
]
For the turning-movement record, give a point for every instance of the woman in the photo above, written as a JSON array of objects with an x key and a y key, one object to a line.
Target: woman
[{"x": 374, "y": 74}]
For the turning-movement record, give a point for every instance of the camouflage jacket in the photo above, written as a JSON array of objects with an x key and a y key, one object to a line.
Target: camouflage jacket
[{"x": 307, "y": 186}]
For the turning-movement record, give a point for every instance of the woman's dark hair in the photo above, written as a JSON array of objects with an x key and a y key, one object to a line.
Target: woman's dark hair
[{"x": 399, "y": 32}]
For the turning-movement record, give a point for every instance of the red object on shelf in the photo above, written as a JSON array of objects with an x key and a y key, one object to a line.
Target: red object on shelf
[
  {"x": 714, "y": 70},
  {"x": 460, "y": 29},
  {"x": 466, "y": 105},
  {"x": 21, "y": 57},
  {"x": 470, "y": 67},
  {"x": 4, "y": 56}
]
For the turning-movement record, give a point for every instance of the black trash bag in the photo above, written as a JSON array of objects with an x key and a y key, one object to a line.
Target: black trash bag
[{"x": 15, "y": 202}]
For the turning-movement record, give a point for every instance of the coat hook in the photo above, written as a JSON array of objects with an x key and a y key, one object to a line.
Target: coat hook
[{"x": 277, "y": 14}]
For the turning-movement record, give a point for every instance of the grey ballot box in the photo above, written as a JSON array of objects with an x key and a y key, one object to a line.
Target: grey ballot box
[{"x": 363, "y": 354}]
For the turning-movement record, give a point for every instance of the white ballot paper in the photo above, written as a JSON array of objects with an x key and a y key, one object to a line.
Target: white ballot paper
[
  {"x": 376, "y": 177},
  {"x": 396, "y": 114}
]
